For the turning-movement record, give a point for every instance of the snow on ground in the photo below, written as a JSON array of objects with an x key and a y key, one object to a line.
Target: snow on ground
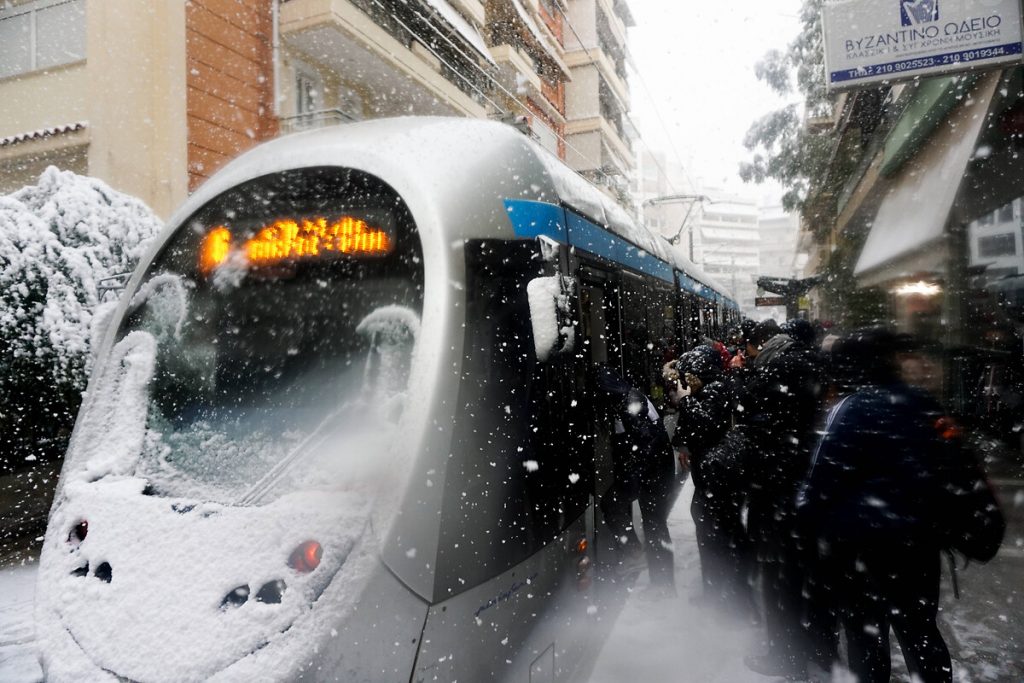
[
  {"x": 18, "y": 663},
  {"x": 670, "y": 639}
]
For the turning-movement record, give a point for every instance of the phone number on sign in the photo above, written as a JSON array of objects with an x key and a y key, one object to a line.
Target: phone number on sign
[{"x": 925, "y": 62}]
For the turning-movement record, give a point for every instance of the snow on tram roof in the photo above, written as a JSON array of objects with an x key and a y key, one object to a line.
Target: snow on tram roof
[
  {"x": 414, "y": 144},
  {"x": 580, "y": 194}
]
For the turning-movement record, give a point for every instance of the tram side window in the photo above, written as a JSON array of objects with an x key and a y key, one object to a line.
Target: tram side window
[
  {"x": 693, "y": 321},
  {"x": 519, "y": 472},
  {"x": 636, "y": 332},
  {"x": 664, "y": 345},
  {"x": 662, "y": 314},
  {"x": 648, "y": 331}
]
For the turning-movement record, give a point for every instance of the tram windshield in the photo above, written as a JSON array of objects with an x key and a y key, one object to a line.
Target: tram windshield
[{"x": 282, "y": 321}]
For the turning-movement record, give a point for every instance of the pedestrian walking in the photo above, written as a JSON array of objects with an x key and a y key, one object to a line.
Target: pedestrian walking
[
  {"x": 873, "y": 502},
  {"x": 777, "y": 410}
]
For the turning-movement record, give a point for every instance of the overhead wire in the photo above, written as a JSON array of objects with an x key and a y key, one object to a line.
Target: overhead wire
[
  {"x": 485, "y": 73},
  {"x": 625, "y": 114}
]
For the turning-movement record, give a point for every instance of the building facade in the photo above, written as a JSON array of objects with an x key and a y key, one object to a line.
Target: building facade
[
  {"x": 727, "y": 245},
  {"x": 598, "y": 132},
  {"x": 154, "y": 97},
  {"x": 780, "y": 233}
]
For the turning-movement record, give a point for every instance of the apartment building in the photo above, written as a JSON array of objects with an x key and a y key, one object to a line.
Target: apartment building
[
  {"x": 598, "y": 99},
  {"x": 727, "y": 245},
  {"x": 153, "y": 97}
]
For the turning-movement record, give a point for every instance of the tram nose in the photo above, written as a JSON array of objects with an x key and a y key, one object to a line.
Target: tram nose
[{"x": 303, "y": 560}]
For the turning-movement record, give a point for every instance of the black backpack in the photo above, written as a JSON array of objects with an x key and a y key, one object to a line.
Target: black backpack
[{"x": 972, "y": 522}]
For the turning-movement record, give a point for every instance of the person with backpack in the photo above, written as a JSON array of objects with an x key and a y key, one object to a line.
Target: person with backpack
[
  {"x": 643, "y": 467},
  {"x": 878, "y": 499},
  {"x": 777, "y": 407},
  {"x": 705, "y": 415}
]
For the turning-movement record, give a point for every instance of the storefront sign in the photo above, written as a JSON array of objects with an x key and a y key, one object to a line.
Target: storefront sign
[
  {"x": 868, "y": 41},
  {"x": 770, "y": 301}
]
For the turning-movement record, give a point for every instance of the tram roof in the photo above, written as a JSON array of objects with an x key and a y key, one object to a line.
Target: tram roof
[{"x": 411, "y": 145}]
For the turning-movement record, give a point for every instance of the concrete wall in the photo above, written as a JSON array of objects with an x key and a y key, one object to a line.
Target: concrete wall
[
  {"x": 136, "y": 88},
  {"x": 42, "y": 99},
  {"x": 582, "y": 99}
]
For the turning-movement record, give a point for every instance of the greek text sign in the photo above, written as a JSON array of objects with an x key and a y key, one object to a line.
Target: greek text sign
[{"x": 867, "y": 41}]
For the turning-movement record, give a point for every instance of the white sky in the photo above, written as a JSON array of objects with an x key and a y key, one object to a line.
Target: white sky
[{"x": 697, "y": 59}]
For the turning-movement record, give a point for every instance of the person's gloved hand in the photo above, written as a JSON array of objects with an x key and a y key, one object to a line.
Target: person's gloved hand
[
  {"x": 684, "y": 458},
  {"x": 669, "y": 372}
]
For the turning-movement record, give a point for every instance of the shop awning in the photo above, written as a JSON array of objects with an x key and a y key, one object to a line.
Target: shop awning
[{"x": 907, "y": 234}]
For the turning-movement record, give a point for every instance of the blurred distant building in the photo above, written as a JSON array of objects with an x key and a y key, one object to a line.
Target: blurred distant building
[
  {"x": 996, "y": 247},
  {"x": 727, "y": 245},
  {"x": 658, "y": 177},
  {"x": 153, "y": 97},
  {"x": 780, "y": 232}
]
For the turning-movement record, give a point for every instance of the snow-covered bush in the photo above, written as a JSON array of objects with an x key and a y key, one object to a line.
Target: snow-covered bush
[{"x": 59, "y": 240}]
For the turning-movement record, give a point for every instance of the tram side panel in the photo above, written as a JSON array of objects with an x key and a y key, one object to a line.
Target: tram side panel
[{"x": 516, "y": 493}]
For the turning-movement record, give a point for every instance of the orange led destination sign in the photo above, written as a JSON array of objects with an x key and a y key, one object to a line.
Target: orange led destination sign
[{"x": 289, "y": 239}]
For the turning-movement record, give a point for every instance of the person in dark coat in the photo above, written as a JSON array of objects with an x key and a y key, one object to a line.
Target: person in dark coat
[
  {"x": 644, "y": 470},
  {"x": 705, "y": 417},
  {"x": 777, "y": 410},
  {"x": 870, "y": 503}
]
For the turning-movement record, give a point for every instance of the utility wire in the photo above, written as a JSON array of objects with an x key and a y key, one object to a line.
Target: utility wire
[
  {"x": 441, "y": 59},
  {"x": 586, "y": 49},
  {"x": 661, "y": 121},
  {"x": 485, "y": 73}
]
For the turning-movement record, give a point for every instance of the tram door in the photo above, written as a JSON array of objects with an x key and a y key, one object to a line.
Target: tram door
[{"x": 600, "y": 344}]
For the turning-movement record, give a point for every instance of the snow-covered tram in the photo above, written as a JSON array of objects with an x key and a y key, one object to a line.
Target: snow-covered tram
[{"x": 338, "y": 427}]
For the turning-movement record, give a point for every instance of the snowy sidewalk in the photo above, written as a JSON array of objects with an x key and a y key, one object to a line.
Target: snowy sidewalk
[
  {"x": 671, "y": 640},
  {"x": 18, "y": 662}
]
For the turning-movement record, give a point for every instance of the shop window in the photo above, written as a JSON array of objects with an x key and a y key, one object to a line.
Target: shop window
[
  {"x": 41, "y": 34},
  {"x": 997, "y": 245}
]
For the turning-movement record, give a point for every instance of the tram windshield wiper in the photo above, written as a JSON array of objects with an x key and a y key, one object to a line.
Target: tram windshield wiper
[{"x": 311, "y": 444}]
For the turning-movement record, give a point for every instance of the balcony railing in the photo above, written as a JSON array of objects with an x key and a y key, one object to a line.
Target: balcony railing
[{"x": 320, "y": 118}]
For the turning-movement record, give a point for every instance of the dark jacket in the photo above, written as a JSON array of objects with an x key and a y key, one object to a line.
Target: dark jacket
[
  {"x": 642, "y": 446},
  {"x": 777, "y": 411},
  {"x": 877, "y": 473}
]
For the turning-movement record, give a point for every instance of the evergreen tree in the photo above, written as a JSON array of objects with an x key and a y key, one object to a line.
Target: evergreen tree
[
  {"x": 61, "y": 242},
  {"x": 783, "y": 148}
]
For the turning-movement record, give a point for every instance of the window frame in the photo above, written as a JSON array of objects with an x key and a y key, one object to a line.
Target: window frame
[{"x": 32, "y": 9}]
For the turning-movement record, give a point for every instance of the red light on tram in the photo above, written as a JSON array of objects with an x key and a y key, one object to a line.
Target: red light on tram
[
  {"x": 581, "y": 546},
  {"x": 306, "y": 557},
  {"x": 79, "y": 532},
  {"x": 948, "y": 429}
]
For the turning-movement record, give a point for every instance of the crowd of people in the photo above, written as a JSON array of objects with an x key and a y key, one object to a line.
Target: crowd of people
[{"x": 822, "y": 493}]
